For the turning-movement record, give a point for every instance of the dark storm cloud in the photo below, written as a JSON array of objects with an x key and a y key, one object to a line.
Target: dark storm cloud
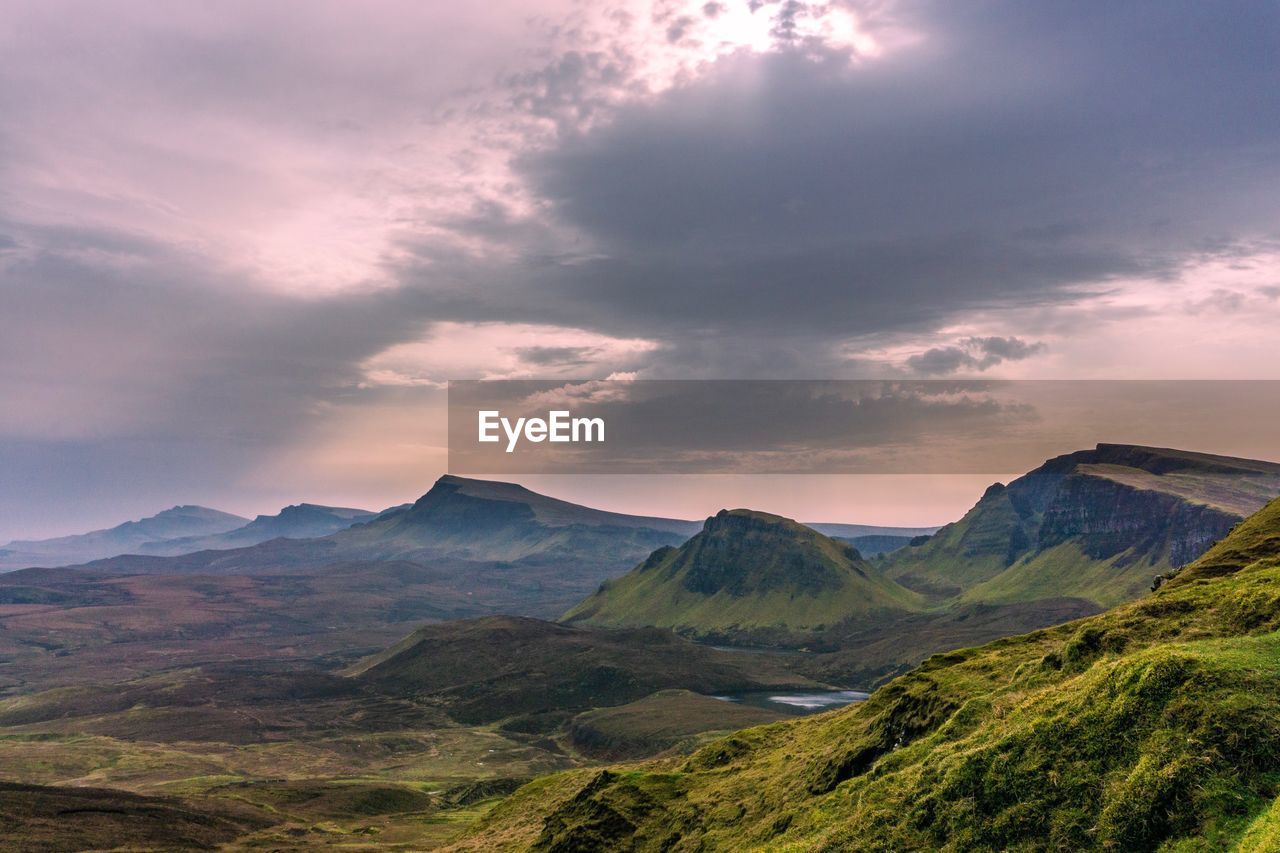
[
  {"x": 972, "y": 354},
  {"x": 1022, "y": 154},
  {"x": 556, "y": 356}
]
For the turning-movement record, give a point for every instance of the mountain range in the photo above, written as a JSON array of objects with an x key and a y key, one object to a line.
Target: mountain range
[
  {"x": 1152, "y": 726},
  {"x": 288, "y": 695},
  {"x": 299, "y": 521},
  {"x": 182, "y": 530},
  {"x": 1083, "y": 532},
  {"x": 187, "y": 529},
  {"x": 178, "y": 522}
]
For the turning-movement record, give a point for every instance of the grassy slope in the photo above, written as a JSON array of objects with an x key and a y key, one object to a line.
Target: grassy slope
[
  {"x": 961, "y": 554},
  {"x": 1065, "y": 570},
  {"x": 1156, "y": 724},
  {"x": 658, "y": 722},
  {"x": 658, "y": 592}
]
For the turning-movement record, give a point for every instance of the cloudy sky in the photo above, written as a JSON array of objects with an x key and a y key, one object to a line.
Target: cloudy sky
[{"x": 243, "y": 245}]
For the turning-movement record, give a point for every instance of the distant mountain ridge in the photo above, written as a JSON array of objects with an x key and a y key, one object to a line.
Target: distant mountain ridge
[
  {"x": 178, "y": 521},
  {"x": 484, "y": 546},
  {"x": 299, "y": 521}
]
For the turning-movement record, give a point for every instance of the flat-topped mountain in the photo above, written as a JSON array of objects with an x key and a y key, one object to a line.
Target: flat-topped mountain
[
  {"x": 1096, "y": 524},
  {"x": 747, "y": 574},
  {"x": 178, "y": 521},
  {"x": 485, "y": 520}
]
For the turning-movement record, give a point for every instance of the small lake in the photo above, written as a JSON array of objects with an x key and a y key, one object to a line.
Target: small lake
[{"x": 799, "y": 702}]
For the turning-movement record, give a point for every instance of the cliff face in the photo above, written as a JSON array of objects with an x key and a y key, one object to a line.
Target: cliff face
[
  {"x": 1137, "y": 508},
  {"x": 1108, "y": 518}
]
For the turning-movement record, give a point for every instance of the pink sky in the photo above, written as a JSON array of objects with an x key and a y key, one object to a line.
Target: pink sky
[{"x": 243, "y": 245}]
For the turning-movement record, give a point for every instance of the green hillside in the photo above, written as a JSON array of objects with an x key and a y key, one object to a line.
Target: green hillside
[
  {"x": 1153, "y": 726},
  {"x": 748, "y": 575}
]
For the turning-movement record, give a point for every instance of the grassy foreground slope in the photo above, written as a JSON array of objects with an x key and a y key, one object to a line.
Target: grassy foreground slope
[{"x": 1152, "y": 726}]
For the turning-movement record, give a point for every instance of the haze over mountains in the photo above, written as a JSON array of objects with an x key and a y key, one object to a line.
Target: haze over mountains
[
  {"x": 299, "y": 521},
  {"x": 176, "y": 523},
  {"x": 181, "y": 530},
  {"x": 453, "y": 519}
]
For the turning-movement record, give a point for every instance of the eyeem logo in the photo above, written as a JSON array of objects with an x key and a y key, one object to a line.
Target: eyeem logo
[{"x": 558, "y": 426}]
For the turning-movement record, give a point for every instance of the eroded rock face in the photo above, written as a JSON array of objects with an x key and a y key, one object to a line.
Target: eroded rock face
[
  {"x": 1109, "y": 518},
  {"x": 1137, "y": 504}
]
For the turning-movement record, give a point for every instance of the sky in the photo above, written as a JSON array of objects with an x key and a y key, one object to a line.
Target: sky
[{"x": 243, "y": 246}]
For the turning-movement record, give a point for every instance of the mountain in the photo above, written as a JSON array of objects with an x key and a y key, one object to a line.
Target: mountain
[
  {"x": 1153, "y": 726},
  {"x": 1080, "y": 533},
  {"x": 1096, "y": 524},
  {"x": 300, "y": 521},
  {"x": 500, "y": 667},
  {"x": 179, "y": 521},
  {"x": 747, "y": 575},
  {"x": 486, "y": 520},
  {"x": 465, "y": 549},
  {"x": 460, "y": 519}
]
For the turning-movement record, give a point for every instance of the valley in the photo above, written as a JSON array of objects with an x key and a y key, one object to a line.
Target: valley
[{"x": 1154, "y": 726}]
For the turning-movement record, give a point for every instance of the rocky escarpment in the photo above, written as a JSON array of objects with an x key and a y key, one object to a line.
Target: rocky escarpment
[
  {"x": 1108, "y": 518},
  {"x": 1136, "y": 506}
]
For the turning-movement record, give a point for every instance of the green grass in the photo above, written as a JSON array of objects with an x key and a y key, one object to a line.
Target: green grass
[
  {"x": 1065, "y": 570},
  {"x": 1152, "y": 726}
]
